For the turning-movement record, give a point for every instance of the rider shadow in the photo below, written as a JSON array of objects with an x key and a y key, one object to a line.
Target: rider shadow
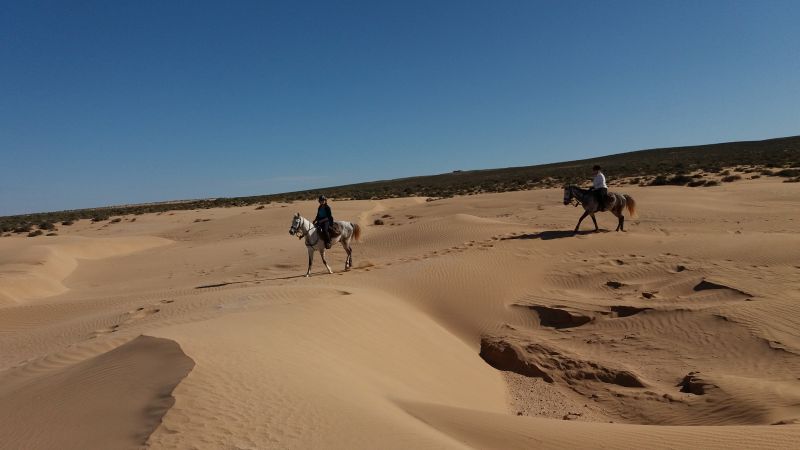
[{"x": 552, "y": 234}]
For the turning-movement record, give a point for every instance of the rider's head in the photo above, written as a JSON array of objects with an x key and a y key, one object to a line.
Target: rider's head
[
  {"x": 596, "y": 168},
  {"x": 322, "y": 199}
]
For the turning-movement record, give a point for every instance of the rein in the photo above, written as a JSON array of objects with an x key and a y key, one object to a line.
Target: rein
[
  {"x": 301, "y": 233},
  {"x": 573, "y": 199}
]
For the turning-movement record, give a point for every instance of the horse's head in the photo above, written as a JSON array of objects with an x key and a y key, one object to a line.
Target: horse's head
[
  {"x": 296, "y": 222},
  {"x": 567, "y": 194}
]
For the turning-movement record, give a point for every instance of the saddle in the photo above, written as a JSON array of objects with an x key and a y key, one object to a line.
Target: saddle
[
  {"x": 608, "y": 201},
  {"x": 335, "y": 230}
]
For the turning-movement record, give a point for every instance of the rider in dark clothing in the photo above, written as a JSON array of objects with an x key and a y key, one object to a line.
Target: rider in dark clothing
[{"x": 324, "y": 220}]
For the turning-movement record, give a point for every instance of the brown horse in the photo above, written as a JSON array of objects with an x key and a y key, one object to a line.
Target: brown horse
[{"x": 616, "y": 204}]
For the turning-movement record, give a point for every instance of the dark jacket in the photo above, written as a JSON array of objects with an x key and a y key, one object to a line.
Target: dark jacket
[{"x": 324, "y": 212}]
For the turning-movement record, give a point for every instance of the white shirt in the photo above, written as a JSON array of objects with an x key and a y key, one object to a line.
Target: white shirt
[{"x": 600, "y": 181}]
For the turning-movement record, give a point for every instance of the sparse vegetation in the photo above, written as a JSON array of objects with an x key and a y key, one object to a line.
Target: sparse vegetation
[
  {"x": 711, "y": 183},
  {"x": 788, "y": 173},
  {"x": 696, "y": 183},
  {"x": 35, "y": 233},
  {"x": 117, "y": 220},
  {"x": 731, "y": 178},
  {"x": 669, "y": 163},
  {"x": 67, "y": 223},
  {"x": 378, "y": 222}
]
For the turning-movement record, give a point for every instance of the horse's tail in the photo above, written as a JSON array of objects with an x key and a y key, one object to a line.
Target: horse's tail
[
  {"x": 356, "y": 231},
  {"x": 631, "y": 204}
]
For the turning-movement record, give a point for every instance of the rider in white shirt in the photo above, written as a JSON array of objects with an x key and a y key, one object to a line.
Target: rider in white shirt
[{"x": 599, "y": 187}]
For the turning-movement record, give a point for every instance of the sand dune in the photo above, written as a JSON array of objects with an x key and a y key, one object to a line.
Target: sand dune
[{"x": 477, "y": 321}]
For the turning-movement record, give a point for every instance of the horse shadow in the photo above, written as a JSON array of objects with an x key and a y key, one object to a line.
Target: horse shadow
[{"x": 552, "y": 234}]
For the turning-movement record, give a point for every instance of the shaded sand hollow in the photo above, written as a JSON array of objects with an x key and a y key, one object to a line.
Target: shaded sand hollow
[{"x": 476, "y": 322}]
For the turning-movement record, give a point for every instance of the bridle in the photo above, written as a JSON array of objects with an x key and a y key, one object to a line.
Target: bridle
[
  {"x": 573, "y": 199},
  {"x": 300, "y": 233}
]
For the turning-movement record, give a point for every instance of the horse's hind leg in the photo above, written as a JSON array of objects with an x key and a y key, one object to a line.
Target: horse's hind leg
[
  {"x": 348, "y": 262},
  {"x": 621, "y": 226},
  {"x": 596, "y": 228},
  {"x": 322, "y": 253}
]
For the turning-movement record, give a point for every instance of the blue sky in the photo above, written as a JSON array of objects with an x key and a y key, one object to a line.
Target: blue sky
[{"x": 132, "y": 101}]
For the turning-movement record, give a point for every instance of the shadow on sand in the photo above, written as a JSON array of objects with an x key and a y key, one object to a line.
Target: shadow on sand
[
  {"x": 207, "y": 286},
  {"x": 553, "y": 234}
]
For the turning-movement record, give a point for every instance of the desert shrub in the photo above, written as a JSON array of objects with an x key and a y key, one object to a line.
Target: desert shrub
[
  {"x": 696, "y": 183},
  {"x": 259, "y": 207},
  {"x": 378, "y": 222},
  {"x": 634, "y": 181},
  {"x": 52, "y": 234},
  {"x": 676, "y": 180},
  {"x": 731, "y": 178},
  {"x": 24, "y": 228},
  {"x": 725, "y": 172},
  {"x": 679, "y": 180},
  {"x": 117, "y": 220},
  {"x": 99, "y": 218},
  {"x": 47, "y": 226},
  {"x": 711, "y": 183},
  {"x": 67, "y": 223},
  {"x": 792, "y": 180},
  {"x": 767, "y": 172},
  {"x": 788, "y": 173},
  {"x": 755, "y": 177},
  {"x": 35, "y": 233}
]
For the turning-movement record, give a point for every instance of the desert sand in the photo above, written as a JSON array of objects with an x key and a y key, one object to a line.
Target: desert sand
[{"x": 470, "y": 322}]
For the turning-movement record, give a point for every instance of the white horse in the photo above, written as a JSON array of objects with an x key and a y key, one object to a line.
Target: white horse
[{"x": 303, "y": 228}]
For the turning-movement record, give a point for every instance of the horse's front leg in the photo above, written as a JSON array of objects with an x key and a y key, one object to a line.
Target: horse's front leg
[
  {"x": 585, "y": 213},
  {"x": 621, "y": 226},
  {"x": 596, "y": 228},
  {"x": 310, "y": 260},
  {"x": 322, "y": 254}
]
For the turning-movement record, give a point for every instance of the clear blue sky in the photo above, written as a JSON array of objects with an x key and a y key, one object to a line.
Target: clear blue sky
[{"x": 109, "y": 102}]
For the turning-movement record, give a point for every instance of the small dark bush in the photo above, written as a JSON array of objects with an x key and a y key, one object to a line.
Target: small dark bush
[
  {"x": 792, "y": 180},
  {"x": 99, "y": 218},
  {"x": 711, "y": 183},
  {"x": 755, "y": 177},
  {"x": 634, "y": 181},
  {"x": 788, "y": 173},
  {"x": 378, "y": 222},
  {"x": 697, "y": 175},
  {"x": 47, "y": 226},
  {"x": 386, "y": 216},
  {"x": 725, "y": 172},
  {"x": 35, "y": 233},
  {"x": 23, "y": 228},
  {"x": 67, "y": 223},
  {"x": 767, "y": 172},
  {"x": 660, "y": 180},
  {"x": 133, "y": 219},
  {"x": 52, "y": 234},
  {"x": 117, "y": 220},
  {"x": 259, "y": 207},
  {"x": 731, "y": 178},
  {"x": 696, "y": 183},
  {"x": 679, "y": 180}
]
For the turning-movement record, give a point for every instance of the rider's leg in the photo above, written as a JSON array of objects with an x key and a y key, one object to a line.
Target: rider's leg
[{"x": 602, "y": 193}]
